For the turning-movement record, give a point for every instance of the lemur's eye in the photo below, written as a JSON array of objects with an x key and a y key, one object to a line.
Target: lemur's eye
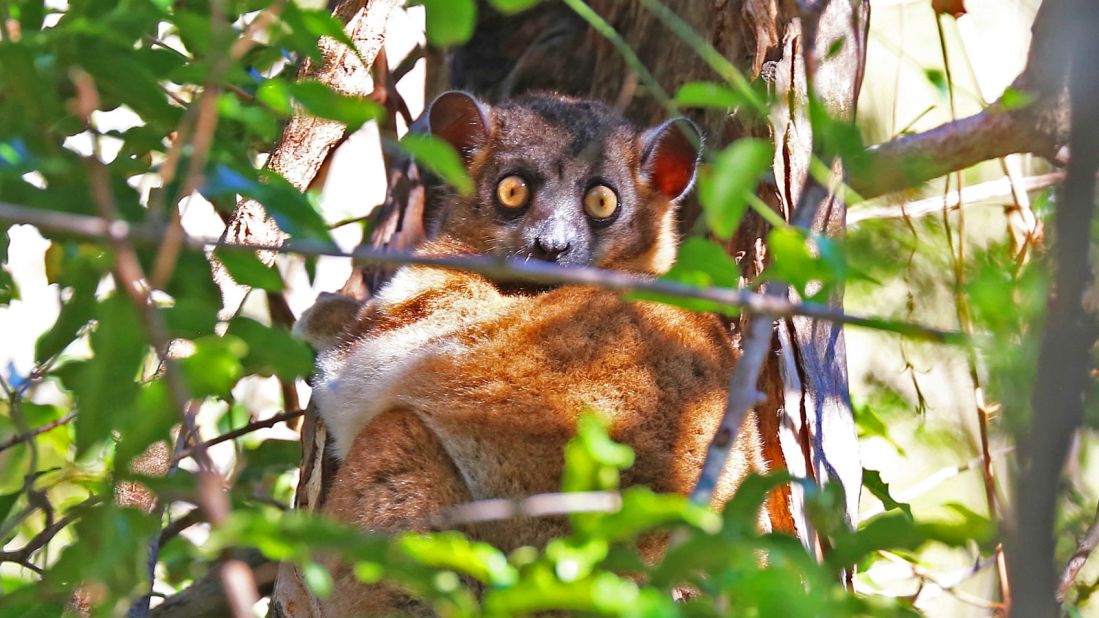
[
  {"x": 600, "y": 202},
  {"x": 513, "y": 192}
]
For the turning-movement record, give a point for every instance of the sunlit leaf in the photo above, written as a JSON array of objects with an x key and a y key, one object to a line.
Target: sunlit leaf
[
  {"x": 441, "y": 158},
  {"x": 450, "y": 550},
  {"x": 724, "y": 185},
  {"x": 1013, "y": 98},
  {"x": 513, "y": 6},
  {"x": 707, "y": 94},
  {"x": 247, "y": 269},
  {"x": 321, "y": 100},
  {"x": 214, "y": 366},
  {"x": 872, "y": 481},
  {"x": 272, "y": 350},
  {"x": 449, "y": 21},
  {"x": 105, "y": 388},
  {"x": 699, "y": 263}
]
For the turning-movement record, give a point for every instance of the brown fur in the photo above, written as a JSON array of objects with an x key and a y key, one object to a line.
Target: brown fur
[{"x": 490, "y": 418}]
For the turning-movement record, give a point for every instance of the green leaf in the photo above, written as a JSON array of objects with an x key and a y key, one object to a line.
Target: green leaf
[
  {"x": 700, "y": 263},
  {"x": 247, "y": 269},
  {"x": 321, "y": 100},
  {"x": 441, "y": 158},
  {"x": 272, "y": 350},
  {"x": 193, "y": 280},
  {"x": 317, "y": 578},
  {"x": 592, "y": 459},
  {"x": 271, "y": 456},
  {"x": 7, "y": 501},
  {"x": 121, "y": 76},
  {"x": 602, "y": 593},
  {"x": 889, "y": 531},
  {"x": 214, "y": 367},
  {"x": 290, "y": 208},
  {"x": 792, "y": 261},
  {"x": 113, "y": 549},
  {"x": 194, "y": 31},
  {"x": 190, "y": 319},
  {"x": 82, "y": 272},
  {"x": 1016, "y": 99},
  {"x": 154, "y": 414},
  {"x": 742, "y": 511},
  {"x": 937, "y": 79},
  {"x": 871, "y": 480},
  {"x": 106, "y": 386},
  {"x": 451, "y": 550},
  {"x": 275, "y": 94},
  {"x": 512, "y": 6},
  {"x": 450, "y": 21},
  {"x": 724, "y": 185},
  {"x": 707, "y": 95},
  {"x": 644, "y": 510},
  {"x": 306, "y": 26}
]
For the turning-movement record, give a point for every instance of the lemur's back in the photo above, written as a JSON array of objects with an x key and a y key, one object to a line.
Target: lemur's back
[{"x": 487, "y": 412}]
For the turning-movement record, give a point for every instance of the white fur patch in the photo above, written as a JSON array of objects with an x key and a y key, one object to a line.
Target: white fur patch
[{"x": 354, "y": 386}]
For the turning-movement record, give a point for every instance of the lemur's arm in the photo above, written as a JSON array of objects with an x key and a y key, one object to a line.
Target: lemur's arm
[{"x": 323, "y": 324}]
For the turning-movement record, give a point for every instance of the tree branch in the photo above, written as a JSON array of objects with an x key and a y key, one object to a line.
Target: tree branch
[
  {"x": 39, "y": 540},
  {"x": 1078, "y": 559},
  {"x": 1061, "y": 382},
  {"x": 991, "y": 190},
  {"x": 911, "y": 160},
  {"x": 37, "y": 431},
  {"x": 247, "y": 429},
  {"x": 1040, "y": 127},
  {"x": 534, "y": 271},
  {"x": 538, "y": 505},
  {"x": 206, "y": 597}
]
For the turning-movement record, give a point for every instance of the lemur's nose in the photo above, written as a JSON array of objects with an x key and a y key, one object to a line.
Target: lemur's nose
[{"x": 549, "y": 250}]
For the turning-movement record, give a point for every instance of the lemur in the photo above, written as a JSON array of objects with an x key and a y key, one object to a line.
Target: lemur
[{"x": 448, "y": 387}]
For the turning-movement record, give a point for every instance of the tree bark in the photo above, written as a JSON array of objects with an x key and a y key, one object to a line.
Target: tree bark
[
  {"x": 1061, "y": 382},
  {"x": 299, "y": 157}
]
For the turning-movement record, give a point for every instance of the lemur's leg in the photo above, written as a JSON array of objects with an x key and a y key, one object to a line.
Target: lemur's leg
[{"x": 396, "y": 475}]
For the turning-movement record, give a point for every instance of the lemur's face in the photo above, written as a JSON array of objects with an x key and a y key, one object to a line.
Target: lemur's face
[{"x": 566, "y": 181}]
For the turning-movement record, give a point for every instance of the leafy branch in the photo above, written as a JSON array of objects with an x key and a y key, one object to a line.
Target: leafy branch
[{"x": 100, "y": 229}]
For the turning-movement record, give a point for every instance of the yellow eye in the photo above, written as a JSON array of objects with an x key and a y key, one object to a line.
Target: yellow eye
[
  {"x": 600, "y": 202},
  {"x": 513, "y": 192}
]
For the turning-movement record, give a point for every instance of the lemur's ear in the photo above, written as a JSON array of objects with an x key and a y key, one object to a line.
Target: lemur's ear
[
  {"x": 461, "y": 120},
  {"x": 669, "y": 156}
]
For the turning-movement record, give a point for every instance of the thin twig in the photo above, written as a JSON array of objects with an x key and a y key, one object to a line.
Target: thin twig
[
  {"x": 985, "y": 191},
  {"x": 539, "y": 505},
  {"x": 247, "y": 429},
  {"x": 46, "y": 534},
  {"x": 37, "y": 431},
  {"x": 743, "y": 396},
  {"x": 961, "y": 305},
  {"x": 534, "y": 271},
  {"x": 608, "y": 32},
  {"x": 1078, "y": 559}
]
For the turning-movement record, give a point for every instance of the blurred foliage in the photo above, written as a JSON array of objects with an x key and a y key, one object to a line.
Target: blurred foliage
[{"x": 150, "y": 62}]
